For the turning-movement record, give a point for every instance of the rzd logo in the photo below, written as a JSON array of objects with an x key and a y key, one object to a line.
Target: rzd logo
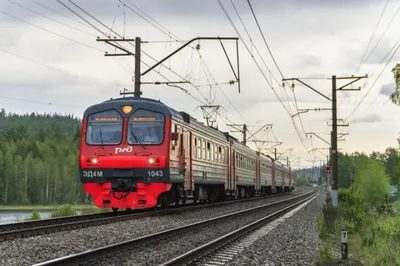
[{"x": 121, "y": 150}]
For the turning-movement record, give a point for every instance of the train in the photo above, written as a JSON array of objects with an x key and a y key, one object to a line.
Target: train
[{"x": 139, "y": 153}]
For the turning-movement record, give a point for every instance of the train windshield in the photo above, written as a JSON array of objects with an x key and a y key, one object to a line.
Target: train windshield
[
  {"x": 146, "y": 127},
  {"x": 104, "y": 128}
]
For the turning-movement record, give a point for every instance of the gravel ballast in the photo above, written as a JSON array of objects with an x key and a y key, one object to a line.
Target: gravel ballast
[
  {"x": 293, "y": 242},
  {"x": 161, "y": 251},
  {"x": 28, "y": 251}
]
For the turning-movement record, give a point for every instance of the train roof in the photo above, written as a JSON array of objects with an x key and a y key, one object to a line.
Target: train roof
[{"x": 146, "y": 103}]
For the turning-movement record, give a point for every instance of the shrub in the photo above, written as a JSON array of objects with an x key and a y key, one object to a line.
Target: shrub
[
  {"x": 64, "y": 210},
  {"x": 34, "y": 216}
]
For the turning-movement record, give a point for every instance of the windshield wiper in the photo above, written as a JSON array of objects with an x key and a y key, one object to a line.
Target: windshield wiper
[
  {"x": 136, "y": 139},
  {"x": 101, "y": 139}
]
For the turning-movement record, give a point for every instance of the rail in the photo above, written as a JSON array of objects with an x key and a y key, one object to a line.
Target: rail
[
  {"x": 46, "y": 226},
  {"x": 102, "y": 251}
]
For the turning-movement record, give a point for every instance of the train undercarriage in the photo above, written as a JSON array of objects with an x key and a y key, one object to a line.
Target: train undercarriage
[{"x": 210, "y": 193}]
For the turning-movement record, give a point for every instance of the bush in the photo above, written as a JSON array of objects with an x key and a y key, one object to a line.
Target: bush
[
  {"x": 64, "y": 210},
  {"x": 34, "y": 216}
]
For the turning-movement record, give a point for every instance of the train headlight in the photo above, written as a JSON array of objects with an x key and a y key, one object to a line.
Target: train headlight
[
  {"x": 94, "y": 161},
  {"x": 151, "y": 160}
]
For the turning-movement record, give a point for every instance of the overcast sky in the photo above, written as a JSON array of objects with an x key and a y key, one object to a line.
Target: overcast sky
[{"x": 51, "y": 62}]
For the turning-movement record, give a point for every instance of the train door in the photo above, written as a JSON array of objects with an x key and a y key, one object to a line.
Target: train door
[
  {"x": 273, "y": 177},
  {"x": 258, "y": 173},
  {"x": 226, "y": 160},
  {"x": 232, "y": 156},
  {"x": 186, "y": 159}
]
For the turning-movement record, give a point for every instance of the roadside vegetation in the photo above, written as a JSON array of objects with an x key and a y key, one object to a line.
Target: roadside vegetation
[{"x": 365, "y": 208}]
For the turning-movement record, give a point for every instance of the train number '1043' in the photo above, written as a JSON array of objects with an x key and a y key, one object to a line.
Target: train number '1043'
[
  {"x": 92, "y": 174},
  {"x": 155, "y": 173}
]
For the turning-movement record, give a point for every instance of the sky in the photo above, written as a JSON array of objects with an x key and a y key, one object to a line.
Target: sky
[{"x": 52, "y": 62}]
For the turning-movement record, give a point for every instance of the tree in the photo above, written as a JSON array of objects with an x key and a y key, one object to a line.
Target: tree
[
  {"x": 395, "y": 97},
  {"x": 371, "y": 180}
]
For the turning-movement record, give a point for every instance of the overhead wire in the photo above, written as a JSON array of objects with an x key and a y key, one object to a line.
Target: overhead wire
[
  {"x": 395, "y": 47},
  {"x": 62, "y": 23},
  {"x": 383, "y": 69},
  {"x": 270, "y": 52},
  {"x": 117, "y": 34},
  {"x": 49, "y": 31},
  {"x": 362, "y": 61},
  {"x": 276, "y": 64},
  {"x": 61, "y": 14},
  {"x": 259, "y": 67},
  {"x": 373, "y": 49},
  {"x": 167, "y": 32},
  {"x": 159, "y": 73},
  {"x": 52, "y": 68}
]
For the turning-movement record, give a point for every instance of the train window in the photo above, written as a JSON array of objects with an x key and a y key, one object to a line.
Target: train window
[
  {"x": 214, "y": 150},
  {"x": 146, "y": 127},
  {"x": 203, "y": 148},
  {"x": 194, "y": 148},
  {"x": 104, "y": 128}
]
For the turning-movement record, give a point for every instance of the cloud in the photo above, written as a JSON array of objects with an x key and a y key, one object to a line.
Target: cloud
[
  {"x": 387, "y": 89},
  {"x": 372, "y": 118}
]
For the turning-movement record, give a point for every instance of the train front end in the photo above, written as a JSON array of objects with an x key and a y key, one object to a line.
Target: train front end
[{"x": 124, "y": 153}]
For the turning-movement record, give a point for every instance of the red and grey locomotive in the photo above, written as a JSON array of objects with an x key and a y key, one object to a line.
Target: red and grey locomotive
[{"x": 140, "y": 153}]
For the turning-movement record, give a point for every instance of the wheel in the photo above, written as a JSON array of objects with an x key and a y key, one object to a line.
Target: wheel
[
  {"x": 163, "y": 201},
  {"x": 115, "y": 209}
]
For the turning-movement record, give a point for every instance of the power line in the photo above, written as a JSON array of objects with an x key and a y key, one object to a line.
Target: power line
[
  {"x": 372, "y": 36},
  {"x": 258, "y": 66},
  {"x": 40, "y": 102},
  {"x": 383, "y": 69},
  {"x": 62, "y": 23},
  {"x": 265, "y": 41},
  {"x": 377, "y": 43},
  {"x": 169, "y": 33},
  {"x": 50, "y": 67},
  {"x": 255, "y": 46},
  {"x": 49, "y": 31},
  {"x": 383, "y": 34},
  {"x": 61, "y": 14},
  {"x": 273, "y": 58},
  {"x": 33, "y": 11}
]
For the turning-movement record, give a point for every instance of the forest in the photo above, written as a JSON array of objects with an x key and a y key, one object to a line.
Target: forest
[{"x": 39, "y": 159}]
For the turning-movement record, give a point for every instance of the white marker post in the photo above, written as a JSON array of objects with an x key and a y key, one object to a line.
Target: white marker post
[{"x": 344, "y": 248}]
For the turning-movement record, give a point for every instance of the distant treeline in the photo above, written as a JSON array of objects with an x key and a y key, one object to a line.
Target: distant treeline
[{"x": 39, "y": 159}]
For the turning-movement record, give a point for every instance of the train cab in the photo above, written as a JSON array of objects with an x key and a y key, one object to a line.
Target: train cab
[{"x": 124, "y": 152}]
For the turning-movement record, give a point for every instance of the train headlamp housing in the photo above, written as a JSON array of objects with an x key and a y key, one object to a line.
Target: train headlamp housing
[{"x": 126, "y": 109}]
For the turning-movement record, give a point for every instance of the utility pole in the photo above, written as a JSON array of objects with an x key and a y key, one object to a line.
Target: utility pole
[
  {"x": 244, "y": 130},
  {"x": 138, "y": 74},
  {"x": 334, "y": 146},
  {"x": 137, "y": 93},
  {"x": 260, "y": 144}
]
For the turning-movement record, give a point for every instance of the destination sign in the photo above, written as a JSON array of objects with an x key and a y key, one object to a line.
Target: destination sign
[
  {"x": 144, "y": 118},
  {"x": 107, "y": 119}
]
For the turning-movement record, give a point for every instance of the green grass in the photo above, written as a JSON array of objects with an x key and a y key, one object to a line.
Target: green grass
[
  {"x": 34, "y": 216},
  {"x": 83, "y": 208},
  {"x": 396, "y": 205}
]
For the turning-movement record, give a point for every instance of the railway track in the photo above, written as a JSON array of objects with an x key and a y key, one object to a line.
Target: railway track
[
  {"x": 94, "y": 256},
  {"x": 46, "y": 226},
  {"x": 222, "y": 250}
]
